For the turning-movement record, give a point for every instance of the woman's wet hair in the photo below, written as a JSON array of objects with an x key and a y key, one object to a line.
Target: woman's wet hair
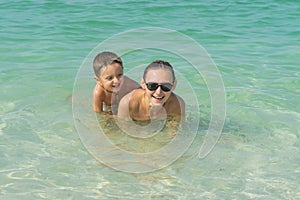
[{"x": 159, "y": 64}]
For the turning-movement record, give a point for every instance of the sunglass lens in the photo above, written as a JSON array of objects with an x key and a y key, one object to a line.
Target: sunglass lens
[
  {"x": 166, "y": 87},
  {"x": 152, "y": 86}
]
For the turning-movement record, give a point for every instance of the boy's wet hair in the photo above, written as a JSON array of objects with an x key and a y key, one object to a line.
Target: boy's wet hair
[
  {"x": 159, "y": 64},
  {"x": 104, "y": 59}
]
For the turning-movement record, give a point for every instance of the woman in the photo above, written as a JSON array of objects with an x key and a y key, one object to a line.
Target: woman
[{"x": 155, "y": 98}]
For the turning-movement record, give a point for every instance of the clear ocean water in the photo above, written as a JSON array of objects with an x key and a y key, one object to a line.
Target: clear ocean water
[{"x": 254, "y": 44}]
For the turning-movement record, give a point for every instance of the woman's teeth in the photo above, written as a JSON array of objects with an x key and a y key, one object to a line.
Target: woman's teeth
[{"x": 158, "y": 98}]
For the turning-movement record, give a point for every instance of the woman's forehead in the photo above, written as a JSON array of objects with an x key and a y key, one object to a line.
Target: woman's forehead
[{"x": 159, "y": 75}]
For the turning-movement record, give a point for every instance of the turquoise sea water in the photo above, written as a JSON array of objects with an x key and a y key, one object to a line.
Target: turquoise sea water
[{"x": 255, "y": 45}]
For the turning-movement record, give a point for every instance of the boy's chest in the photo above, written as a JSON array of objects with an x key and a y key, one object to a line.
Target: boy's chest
[{"x": 111, "y": 99}]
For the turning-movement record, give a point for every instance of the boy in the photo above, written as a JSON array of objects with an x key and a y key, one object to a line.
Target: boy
[{"x": 111, "y": 85}]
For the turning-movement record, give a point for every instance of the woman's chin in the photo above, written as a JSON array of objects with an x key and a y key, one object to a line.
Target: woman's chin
[{"x": 157, "y": 102}]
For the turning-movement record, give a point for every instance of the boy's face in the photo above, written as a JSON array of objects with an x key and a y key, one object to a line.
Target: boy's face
[
  {"x": 161, "y": 76},
  {"x": 112, "y": 77}
]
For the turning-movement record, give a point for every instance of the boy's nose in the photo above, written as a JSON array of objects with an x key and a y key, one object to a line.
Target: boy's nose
[{"x": 116, "y": 80}]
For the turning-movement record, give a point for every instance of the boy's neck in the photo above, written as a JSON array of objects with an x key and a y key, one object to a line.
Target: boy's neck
[{"x": 108, "y": 91}]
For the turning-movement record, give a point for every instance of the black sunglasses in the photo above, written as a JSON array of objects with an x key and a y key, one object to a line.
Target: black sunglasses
[{"x": 166, "y": 87}]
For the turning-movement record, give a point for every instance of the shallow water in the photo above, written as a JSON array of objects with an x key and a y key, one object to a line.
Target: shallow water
[{"x": 255, "y": 46}]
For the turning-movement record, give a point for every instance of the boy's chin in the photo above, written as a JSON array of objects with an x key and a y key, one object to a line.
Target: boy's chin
[{"x": 116, "y": 89}]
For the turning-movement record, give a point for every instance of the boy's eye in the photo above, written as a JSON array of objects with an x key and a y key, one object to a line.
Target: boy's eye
[
  {"x": 109, "y": 78},
  {"x": 120, "y": 75}
]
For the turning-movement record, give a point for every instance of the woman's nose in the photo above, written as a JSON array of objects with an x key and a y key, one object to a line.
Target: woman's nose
[{"x": 158, "y": 90}]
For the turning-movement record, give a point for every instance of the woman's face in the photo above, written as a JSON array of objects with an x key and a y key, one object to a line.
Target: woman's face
[{"x": 162, "y": 77}]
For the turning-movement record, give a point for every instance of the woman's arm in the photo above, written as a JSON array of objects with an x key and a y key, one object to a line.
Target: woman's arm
[{"x": 123, "y": 110}]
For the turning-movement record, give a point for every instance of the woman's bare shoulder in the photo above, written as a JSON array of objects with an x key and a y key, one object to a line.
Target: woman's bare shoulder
[{"x": 176, "y": 98}]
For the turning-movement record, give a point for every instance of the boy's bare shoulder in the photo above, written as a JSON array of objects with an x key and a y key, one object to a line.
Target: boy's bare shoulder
[
  {"x": 129, "y": 80},
  {"x": 128, "y": 86},
  {"x": 99, "y": 92}
]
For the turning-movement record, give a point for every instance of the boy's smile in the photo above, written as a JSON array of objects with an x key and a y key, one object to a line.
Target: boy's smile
[{"x": 112, "y": 77}]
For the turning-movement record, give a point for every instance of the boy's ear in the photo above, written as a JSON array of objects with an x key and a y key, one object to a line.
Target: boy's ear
[
  {"x": 143, "y": 83},
  {"x": 96, "y": 78}
]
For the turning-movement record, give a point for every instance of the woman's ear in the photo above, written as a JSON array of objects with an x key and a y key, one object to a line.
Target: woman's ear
[
  {"x": 143, "y": 83},
  {"x": 174, "y": 85}
]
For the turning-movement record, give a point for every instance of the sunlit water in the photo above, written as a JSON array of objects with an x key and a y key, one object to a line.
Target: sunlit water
[{"x": 255, "y": 45}]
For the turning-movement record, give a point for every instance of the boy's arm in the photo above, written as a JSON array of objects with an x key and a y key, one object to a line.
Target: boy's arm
[{"x": 98, "y": 101}]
